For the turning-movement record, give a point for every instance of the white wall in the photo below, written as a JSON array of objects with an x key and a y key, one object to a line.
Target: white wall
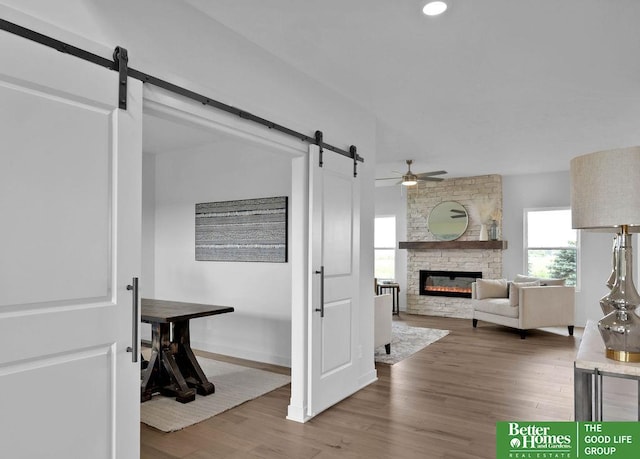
[
  {"x": 260, "y": 327},
  {"x": 391, "y": 202},
  {"x": 527, "y": 191}
]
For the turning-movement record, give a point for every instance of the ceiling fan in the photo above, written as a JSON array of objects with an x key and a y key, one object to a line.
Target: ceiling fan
[{"x": 411, "y": 179}]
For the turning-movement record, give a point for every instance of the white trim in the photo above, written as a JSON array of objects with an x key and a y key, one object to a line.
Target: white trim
[
  {"x": 298, "y": 414},
  {"x": 166, "y": 105},
  {"x": 299, "y": 205}
]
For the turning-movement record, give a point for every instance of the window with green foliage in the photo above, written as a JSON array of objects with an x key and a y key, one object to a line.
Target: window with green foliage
[
  {"x": 551, "y": 245},
  {"x": 385, "y": 247}
]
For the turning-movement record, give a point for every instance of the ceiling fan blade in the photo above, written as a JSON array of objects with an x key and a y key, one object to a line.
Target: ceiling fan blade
[
  {"x": 432, "y": 173},
  {"x": 422, "y": 177}
]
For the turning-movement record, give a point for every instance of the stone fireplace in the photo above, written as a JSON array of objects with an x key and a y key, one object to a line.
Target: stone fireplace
[{"x": 461, "y": 255}]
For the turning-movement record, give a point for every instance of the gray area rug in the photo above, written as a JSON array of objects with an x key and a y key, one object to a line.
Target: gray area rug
[
  {"x": 406, "y": 340},
  {"x": 234, "y": 385}
]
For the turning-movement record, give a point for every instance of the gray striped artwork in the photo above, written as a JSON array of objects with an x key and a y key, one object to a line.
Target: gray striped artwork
[{"x": 244, "y": 230}]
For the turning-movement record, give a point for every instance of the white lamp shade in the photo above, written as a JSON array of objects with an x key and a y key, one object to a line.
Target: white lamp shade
[{"x": 605, "y": 189}]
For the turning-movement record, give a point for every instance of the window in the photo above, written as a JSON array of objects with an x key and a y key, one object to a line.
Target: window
[
  {"x": 551, "y": 245},
  {"x": 385, "y": 247}
]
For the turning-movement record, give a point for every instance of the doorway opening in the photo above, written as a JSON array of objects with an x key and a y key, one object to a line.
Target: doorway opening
[{"x": 191, "y": 156}]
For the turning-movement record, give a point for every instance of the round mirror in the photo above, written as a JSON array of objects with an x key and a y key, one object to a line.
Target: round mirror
[{"x": 448, "y": 221}]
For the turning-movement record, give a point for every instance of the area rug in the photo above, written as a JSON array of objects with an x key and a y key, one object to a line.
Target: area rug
[
  {"x": 406, "y": 341},
  {"x": 234, "y": 385}
]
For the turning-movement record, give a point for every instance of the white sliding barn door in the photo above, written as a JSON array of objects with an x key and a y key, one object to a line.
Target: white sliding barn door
[
  {"x": 70, "y": 210},
  {"x": 334, "y": 206}
]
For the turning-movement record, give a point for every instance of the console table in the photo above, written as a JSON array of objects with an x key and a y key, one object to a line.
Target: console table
[
  {"x": 172, "y": 368},
  {"x": 590, "y": 367}
]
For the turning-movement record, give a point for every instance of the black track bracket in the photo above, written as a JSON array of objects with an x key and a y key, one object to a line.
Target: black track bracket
[
  {"x": 320, "y": 145},
  {"x": 354, "y": 155},
  {"x": 121, "y": 62}
]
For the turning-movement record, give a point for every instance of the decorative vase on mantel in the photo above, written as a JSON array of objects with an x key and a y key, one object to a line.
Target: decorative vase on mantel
[
  {"x": 493, "y": 231},
  {"x": 484, "y": 234}
]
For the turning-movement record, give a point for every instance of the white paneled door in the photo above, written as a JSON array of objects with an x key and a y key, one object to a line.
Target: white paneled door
[
  {"x": 70, "y": 211},
  {"x": 334, "y": 279}
]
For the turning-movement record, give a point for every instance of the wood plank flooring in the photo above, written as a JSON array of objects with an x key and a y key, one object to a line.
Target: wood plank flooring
[{"x": 442, "y": 402}]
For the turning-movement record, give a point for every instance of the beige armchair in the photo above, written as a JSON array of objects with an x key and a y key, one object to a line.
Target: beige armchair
[
  {"x": 524, "y": 305},
  {"x": 383, "y": 313}
]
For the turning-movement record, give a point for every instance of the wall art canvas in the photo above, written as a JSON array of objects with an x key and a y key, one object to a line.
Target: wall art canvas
[{"x": 244, "y": 230}]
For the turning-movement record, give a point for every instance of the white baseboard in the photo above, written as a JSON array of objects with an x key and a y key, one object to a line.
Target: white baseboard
[
  {"x": 297, "y": 414},
  {"x": 284, "y": 361}
]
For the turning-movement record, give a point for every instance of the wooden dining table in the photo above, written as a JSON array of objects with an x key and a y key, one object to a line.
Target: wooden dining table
[{"x": 172, "y": 369}]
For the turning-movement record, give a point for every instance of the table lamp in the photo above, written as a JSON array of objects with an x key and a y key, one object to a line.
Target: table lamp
[{"x": 604, "y": 197}]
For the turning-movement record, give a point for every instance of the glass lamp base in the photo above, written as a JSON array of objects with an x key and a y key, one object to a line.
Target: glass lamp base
[
  {"x": 620, "y": 328},
  {"x": 620, "y": 331}
]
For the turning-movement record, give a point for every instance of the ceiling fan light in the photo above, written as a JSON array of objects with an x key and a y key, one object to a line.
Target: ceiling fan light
[
  {"x": 409, "y": 180},
  {"x": 434, "y": 8}
]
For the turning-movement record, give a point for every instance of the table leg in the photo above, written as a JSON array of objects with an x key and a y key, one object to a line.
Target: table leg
[
  {"x": 582, "y": 395},
  {"x": 179, "y": 388},
  {"x": 598, "y": 395},
  {"x": 149, "y": 375},
  {"x": 152, "y": 376},
  {"x": 396, "y": 301},
  {"x": 162, "y": 373},
  {"x": 187, "y": 360}
]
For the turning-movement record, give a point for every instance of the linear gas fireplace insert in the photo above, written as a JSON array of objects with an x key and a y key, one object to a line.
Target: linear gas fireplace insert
[{"x": 448, "y": 283}]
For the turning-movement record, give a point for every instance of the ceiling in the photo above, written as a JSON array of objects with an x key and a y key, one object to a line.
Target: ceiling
[{"x": 491, "y": 86}]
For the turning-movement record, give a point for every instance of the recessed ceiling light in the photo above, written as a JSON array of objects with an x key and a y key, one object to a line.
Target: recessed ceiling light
[{"x": 434, "y": 8}]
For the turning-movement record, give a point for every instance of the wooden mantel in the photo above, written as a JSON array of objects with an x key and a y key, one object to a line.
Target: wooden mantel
[{"x": 442, "y": 245}]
